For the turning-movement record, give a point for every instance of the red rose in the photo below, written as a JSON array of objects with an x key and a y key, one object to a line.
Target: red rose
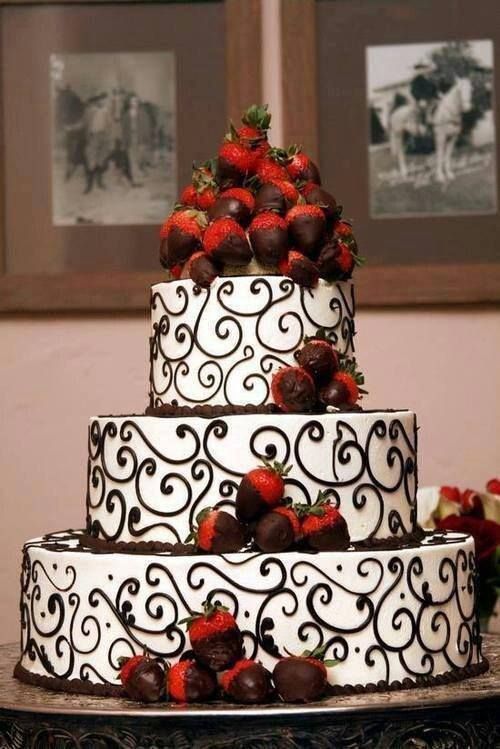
[
  {"x": 493, "y": 486},
  {"x": 486, "y": 533},
  {"x": 451, "y": 493}
]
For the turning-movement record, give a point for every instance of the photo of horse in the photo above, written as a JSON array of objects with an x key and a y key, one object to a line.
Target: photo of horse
[
  {"x": 113, "y": 138},
  {"x": 431, "y": 129}
]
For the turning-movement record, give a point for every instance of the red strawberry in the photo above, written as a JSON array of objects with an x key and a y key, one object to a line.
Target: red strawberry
[
  {"x": 181, "y": 236},
  {"x": 315, "y": 195},
  {"x": 345, "y": 260},
  {"x": 319, "y": 358},
  {"x": 189, "y": 196},
  {"x": 189, "y": 682},
  {"x": 260, "y": 489},
  {"x": 451, "y": 493},
  {"x": 343, "y": 229},
  {"x": 323, "y": 527},
  {"x": 493, "y": 486},
  {"x": 306, "y": 226},
  {"x": 293, "y": 390},
  {"x": 350, "y": 376},
  {"x": 226, "y": 242},
  {"x": 214, "y": 636},
  {"x": 206, "y": 198},
  {"x": 233, "y": 164},
  {"x": 202, "y": 270},
  {"x": 267, "y": 169},
  {"x": 302, "y": 678},
  {"x": 300, "y": 167},
  {"x": 176, "y": 271},
  {"x": 143, "y": 678},
  {"x": 277, "y": 530},
  {"x": 217, "y": 532},
  {"x": 337, "y": 260},
  {"x": 253, "y": 133},
  {"x": 299, "y": 268},
  {"x": 247, "y": 682},
  {"x": 269, "y": 238},
  {"x": 237, "y": 203}
]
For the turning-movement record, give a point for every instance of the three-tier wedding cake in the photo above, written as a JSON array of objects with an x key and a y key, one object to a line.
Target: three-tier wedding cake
[{"x": 253, "y": 385}]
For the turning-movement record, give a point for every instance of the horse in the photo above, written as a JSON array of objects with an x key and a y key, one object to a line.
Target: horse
[
  {"x": 403, "y": 119},
  {"x": 447, "y": 124}
]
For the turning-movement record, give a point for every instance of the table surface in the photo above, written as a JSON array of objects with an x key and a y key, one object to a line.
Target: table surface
[{"x": 18, "y": 697}]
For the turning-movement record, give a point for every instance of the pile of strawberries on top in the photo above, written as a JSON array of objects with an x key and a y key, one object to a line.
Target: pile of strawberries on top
[
  {"x": 216, "y": 667},
  {"x": 254, "y": 201},
  {"x": 267, "y": 520},
  {"x": 322, "y": 378}
]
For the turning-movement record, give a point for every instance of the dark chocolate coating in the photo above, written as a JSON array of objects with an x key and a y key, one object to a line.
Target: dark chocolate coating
[
  {"x": 334, "y": 394},
  {"x": 234, "y": 250},
  {"x": 146, "y": 682},
  {"x": 327, "y": 262},
  {"x": 317, "y": 196},
  {"x": 232, "y": 207},
  {"x": 227, "y": 175},
  {"x": 297, "y": 394},
  {"x": 304, "y": 272},
  {"x": 306, "y": 233},
  {"x": 270, "y": 198},
  {"x": 220, "y": 651},
  {"x": 299, "y": 680},
  {"x": 229, "y": 534},
  {"x": 319, "y": 360},
  {"x": 331, "y": 539},
  {"x": 200, "y": 683},
  {"x": 251, "y": 685},
  {"x": 249, "y": 503},
  {"x": 311, "y": 173},
  {"x": 183, "y": 550},
  {"x": 269, "y": 245},
  {"x": 274, "y": 532},
  {"x": 202, "y": 270},
  {"x": 177, "y": 247}
]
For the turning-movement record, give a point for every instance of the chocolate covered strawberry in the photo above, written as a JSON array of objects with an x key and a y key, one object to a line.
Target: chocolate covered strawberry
[
  {"x": 189, "y": 196},
  {"x": 226, "y": 242},
  {"x": 352, "y": 378},
  {"x": 271, "y": 167},
  {"x": 337, "y": 260},
  {"x": 301, "y": 168},
  {"x": 260, "y": 490},
  {"x": 306, "y": 227},
  {"x": 234, "y": 163},
  {"x": 316, "y": 195},
  {"x": 299, "y": 268},
  {"x": 302, "y": 678},
  {"x": 215, "y": 638},
  {"x": 343, "y": 229},
  {"x": 322, "y": 525},
  {"x": 247, "y": 682},
  {"x": 181, "y": 235},
  {"x": 269, "y": 238},
  {"x": 319, "y": 358},
  {"x": 253, "y": 132},
  {"x": 277, "y": 530},
  {"x": 201, "y": 269},
  {"x": 143, "y": 678},
  {"x": 293, "y": 390},
  {"x": 236, "y": 202},
  {"x": 187, "y": 681},
  {"x": 217, "y": 532}
]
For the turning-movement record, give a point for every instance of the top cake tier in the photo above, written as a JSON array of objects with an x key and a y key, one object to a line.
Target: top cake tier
[{"x": 221, "y": 345}]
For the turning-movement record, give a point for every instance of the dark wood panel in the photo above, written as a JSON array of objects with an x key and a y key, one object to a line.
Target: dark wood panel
[
  {"x": 298, "y": 60},
  {"x": 243, "y": 56}
]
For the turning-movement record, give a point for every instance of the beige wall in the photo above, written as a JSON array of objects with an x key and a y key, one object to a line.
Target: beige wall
[{"x": 57, "y": 371}]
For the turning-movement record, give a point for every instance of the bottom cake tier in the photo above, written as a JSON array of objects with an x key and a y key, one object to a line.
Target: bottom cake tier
[{"x": 391, "y": 618}]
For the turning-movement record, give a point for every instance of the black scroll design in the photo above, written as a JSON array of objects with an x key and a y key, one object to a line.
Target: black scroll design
[{"x": 213, "y": 337}]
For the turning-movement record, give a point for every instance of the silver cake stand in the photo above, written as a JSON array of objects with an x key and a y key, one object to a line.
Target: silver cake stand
[{"x": 465, "y": 715}]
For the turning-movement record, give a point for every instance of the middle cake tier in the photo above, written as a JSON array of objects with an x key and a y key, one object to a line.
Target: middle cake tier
[{"x": 150, "y": 476}]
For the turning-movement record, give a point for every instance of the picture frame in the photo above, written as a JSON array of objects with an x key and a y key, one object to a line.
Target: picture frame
[
  {"x": 84, "y": 289},
  {"x": 324, "y": 96}
]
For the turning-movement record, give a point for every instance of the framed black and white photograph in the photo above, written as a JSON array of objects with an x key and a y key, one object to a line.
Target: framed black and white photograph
[
  {"x": 431, "y": 128},
  {"x": 113, "y": 144}
]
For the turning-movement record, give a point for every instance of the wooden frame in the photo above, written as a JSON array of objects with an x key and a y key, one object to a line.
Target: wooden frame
[
  {"x": 127, "y": 291},
  {"x": 385, "y": 284}
]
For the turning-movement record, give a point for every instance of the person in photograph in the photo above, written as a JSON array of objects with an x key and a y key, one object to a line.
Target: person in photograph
[
  {"x": 70, "y": 111},
  {"x": 98, "y": 129},
  {"x": 135, "y": 129},
  {"x": 424, "y": 91}
]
